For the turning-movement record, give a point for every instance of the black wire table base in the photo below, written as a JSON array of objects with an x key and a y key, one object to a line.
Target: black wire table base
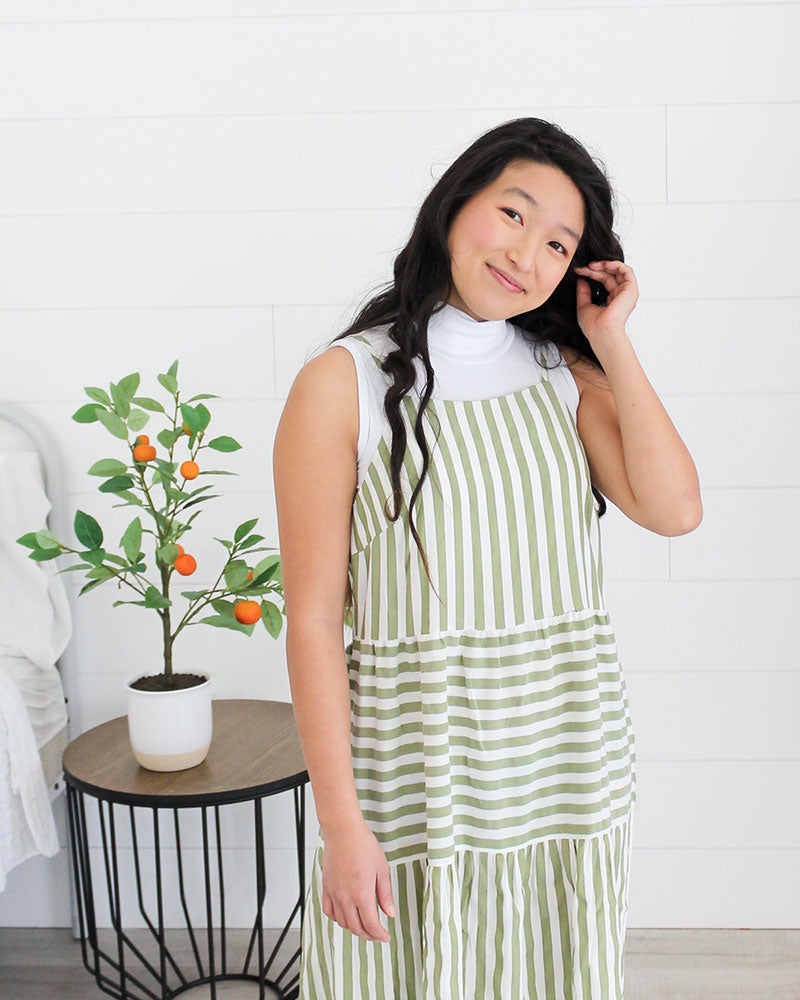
[{"x": 137, "y": 973}]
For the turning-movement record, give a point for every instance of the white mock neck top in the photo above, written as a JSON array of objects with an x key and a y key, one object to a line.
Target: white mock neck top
[{"x": 471, "y": 359}]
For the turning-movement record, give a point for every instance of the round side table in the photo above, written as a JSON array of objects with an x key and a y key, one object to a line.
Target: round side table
[{"x": 255, "y": 753}]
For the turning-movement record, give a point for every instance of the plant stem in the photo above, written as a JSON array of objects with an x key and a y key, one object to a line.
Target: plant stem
[{"x": 165, "y": 623}]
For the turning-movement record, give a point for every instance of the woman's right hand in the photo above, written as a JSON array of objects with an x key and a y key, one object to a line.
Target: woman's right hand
[{"x": 354, "y": 869}]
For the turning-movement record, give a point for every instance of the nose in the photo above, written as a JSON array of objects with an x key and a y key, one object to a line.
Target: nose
[{"x": 522, "y": 259}]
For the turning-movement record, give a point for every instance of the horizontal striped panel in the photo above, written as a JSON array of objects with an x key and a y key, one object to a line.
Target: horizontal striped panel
[
  {"x": 491, "y": 741},
  {"x": 547, "y": 920}
]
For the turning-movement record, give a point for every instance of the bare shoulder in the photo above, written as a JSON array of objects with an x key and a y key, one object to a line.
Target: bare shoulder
[
  {"x": 327, "y": 385},
  {"x": 585, "y": 372},
  {"x": 315, "y": 473}
]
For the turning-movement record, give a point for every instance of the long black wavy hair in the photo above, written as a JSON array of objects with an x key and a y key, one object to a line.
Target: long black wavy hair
[{"x": 422, "y": 275}]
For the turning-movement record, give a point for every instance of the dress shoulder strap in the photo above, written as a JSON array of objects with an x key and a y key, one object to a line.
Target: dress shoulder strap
[
  {"x": 545, "y": 353},
  {"x": 370, "y": 348}
]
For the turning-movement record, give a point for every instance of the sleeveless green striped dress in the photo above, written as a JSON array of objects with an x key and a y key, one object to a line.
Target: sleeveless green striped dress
[{"x": 493, "y": 750}]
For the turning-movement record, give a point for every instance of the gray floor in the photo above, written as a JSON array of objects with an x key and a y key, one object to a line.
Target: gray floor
[{"x": 45, "y": 964}]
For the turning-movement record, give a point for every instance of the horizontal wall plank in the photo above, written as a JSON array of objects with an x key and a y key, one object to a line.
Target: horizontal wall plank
[{"x": 247, "y": 65}]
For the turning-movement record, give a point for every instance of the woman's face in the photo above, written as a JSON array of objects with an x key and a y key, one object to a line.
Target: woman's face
[{"x": 502, "y": 228}]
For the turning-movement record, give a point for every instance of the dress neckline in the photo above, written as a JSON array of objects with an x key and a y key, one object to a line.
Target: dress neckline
[{"x": 435, "y": 403}]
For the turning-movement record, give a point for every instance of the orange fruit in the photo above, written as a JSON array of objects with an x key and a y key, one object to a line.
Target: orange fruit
[
  {"x": 247, "y": 612},
  {"x": 185, "y": 564},
  {"x": 249, "y": 574},
  {"x": 189, "y": 470},
  {"x": 180, "y": 550},
  {"x": 143, "y": 439},
  {"x": 144, "y": 453}
]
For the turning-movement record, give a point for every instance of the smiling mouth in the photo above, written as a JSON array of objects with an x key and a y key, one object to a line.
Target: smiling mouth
[{"x": 505, "y": 279}]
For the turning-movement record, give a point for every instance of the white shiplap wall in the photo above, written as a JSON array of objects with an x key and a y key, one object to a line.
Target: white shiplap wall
[{"x": 222, "y": 182}]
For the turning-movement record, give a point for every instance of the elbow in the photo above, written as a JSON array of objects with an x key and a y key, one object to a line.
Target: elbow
[{"x": 691, "y": 519}]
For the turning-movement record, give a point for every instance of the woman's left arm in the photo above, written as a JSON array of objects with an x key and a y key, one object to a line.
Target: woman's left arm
[{"x": 636, "y": 457}]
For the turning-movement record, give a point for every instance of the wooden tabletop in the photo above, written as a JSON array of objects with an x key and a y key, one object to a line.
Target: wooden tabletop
[{"x": 255, "y": 750}]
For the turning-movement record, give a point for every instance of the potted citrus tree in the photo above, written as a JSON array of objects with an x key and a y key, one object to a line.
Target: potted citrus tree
[{"x": 169, "y": 712}]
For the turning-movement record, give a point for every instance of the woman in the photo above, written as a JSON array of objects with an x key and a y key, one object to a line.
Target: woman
[{"x": 470, "y": 750}]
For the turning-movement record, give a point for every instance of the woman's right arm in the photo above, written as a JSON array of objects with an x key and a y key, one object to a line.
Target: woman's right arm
[{"x": 315, "y": 475}]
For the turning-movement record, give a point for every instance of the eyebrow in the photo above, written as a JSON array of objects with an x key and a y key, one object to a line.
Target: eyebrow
[{"x": 529, "y": 197}]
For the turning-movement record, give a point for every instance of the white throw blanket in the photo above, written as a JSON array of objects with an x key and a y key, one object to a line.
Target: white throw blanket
[{"x": 35, "y": 626}]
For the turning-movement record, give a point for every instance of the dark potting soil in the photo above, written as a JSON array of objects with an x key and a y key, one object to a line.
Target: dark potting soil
[{"x": 160, "y": 682}]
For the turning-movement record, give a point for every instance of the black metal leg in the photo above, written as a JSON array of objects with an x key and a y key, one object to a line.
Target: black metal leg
[
  {"x": 209, "y": 914},
  {"x": 119, "y": 976},
  {"x": 261, "y": 890},
  {"x": 222, "y": 948}
]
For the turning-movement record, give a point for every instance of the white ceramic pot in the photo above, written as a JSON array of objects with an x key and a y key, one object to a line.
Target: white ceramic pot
[{"x": 170, "y": 730}]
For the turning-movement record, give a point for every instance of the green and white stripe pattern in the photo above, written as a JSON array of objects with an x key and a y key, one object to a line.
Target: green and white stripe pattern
[{"x": 493, "y": 750}]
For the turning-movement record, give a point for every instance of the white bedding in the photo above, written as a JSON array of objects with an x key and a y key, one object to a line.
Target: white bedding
[{"x": 35, "y": 626}]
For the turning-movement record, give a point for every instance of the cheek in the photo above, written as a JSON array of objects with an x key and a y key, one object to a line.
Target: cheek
[
  {"x": 484, "y": 233},
  {"x": 476, "y": 233}
]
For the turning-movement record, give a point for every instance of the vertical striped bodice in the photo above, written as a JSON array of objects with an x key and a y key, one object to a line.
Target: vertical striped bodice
[{"x": 506, "y": 515}]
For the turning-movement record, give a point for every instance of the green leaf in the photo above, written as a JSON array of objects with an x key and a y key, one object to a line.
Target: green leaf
[
  {"x": 271, "y": 617},
  {"x": 108, "y": 467},
  {"x": 231, "y": 623},
  {"x": 154, "y": 599},
  {"x": 88, "y": 414},
  {"x": 147, "y": 403},
  {"x": 236, "y": 574},
  {"x": 169, "y": 382},
  {"x": 29, "y": 540},
  {"x": 117, "y": 560},
  {"x": 193, "y": 595},
  {"x": 204, "y": 414},
  {"x": 173, "y": 369},
  {"x": 121, "y": 403},
  {"x": 204, "y": 395},
  {"x": 244, "y": 528},
  {"x": 100, "y": 573},
  {"x": 266, "y": 569},
  {"x": 137, "y": 419},
  {"x": 42, "y": 555},
  {"x": 69, "y": 569},
  {"x": 47, "y": 540},
  {"x": 88, "y": 531},
  {"x": 166, "y": 468},
  {"x": 252, "y": 540},
  {"x": 192, "y": 418},
  {"x": 128, "y": 385},
  {"x": 113, "y": 423},
  {"x": 208, "y": 496},
  {"x": 142, "y": 604},
  {"x": 93, "y": 556},
  {"x": 223, "y": 607},
  {"x": 167, "y": 553},
  {"x": 168, "y": 437},
  {"x": 224, "y": 443},
  {"x": 90, "y": 586},
  {"x": 130, "y": 497},
  {"x": 99, "y": 395},
  {"x": 131, "y": 541},
  {"x": 228, "y": 545},
  {"x": 116, "y": 484}
]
